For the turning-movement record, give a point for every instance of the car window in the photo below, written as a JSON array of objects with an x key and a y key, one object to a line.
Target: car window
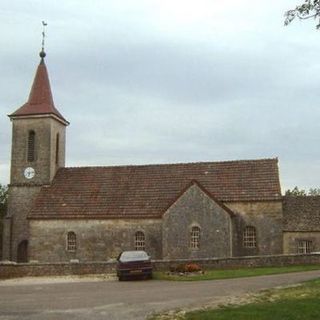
[{"x": 133, "y": 256}]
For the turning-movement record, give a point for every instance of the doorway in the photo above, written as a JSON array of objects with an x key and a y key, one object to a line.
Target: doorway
[{"x": 22, "y": 254}]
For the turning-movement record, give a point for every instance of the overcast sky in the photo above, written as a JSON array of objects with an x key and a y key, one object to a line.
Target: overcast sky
[{"x": 166, "y": 81}]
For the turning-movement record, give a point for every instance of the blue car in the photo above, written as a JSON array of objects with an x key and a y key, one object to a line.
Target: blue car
[{"x": 134, "y": 264}]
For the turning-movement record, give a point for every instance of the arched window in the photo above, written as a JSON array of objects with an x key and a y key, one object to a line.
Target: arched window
[
  {"x": 71, "y": 241},
  {"x": 140, "y": 241},
  {"x": 249, "y": 237},
  {"x": 57, "y": 148},
  {"x": 31, "y": 146},
  {"x": 195, "y": 238}
]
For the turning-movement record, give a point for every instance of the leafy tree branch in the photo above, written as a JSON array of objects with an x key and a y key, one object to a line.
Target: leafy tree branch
[
  {"x": 301, "y": 192},
  {"x": 309, "y": 9}
]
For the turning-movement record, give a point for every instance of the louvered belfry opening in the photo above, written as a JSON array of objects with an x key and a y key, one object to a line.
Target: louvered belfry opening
[
  {"x": 31, "y": 146},
  {"x": 57, "y": 149}
]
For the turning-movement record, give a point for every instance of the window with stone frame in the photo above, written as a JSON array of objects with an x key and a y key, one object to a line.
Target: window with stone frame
[
  {"x": 195, "y": 238},
  {"x": 140, "y": 241},
  {"x": 304, "y": 246},
  {"x": 71, "y": 242},
  {"x": 31, "y": 146},
  {"x": 250, "y": 237}
]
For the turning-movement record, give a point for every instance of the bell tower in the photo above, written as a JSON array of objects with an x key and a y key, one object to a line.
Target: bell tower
[
  {"x": 38, "y": 135},
  {"x": 37, "y": 152}
]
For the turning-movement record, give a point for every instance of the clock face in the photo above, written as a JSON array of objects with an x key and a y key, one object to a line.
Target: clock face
[{"x": 29, "y": 173}]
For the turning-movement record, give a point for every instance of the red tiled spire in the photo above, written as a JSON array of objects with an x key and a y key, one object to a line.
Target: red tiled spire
[{"x": 40, "y": 100}]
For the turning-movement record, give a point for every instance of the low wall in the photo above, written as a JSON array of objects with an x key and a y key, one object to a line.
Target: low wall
[
  {"x": 242, "y": 262},
  {"x": 14, "y": 270},
  {"x": 54, "y": 269}
]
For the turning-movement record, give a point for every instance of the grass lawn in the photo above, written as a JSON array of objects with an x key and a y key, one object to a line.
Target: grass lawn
[
  {"x": 297, "y": 303},
  {"x": 234, "y": 273},
  {"x": 301, "y": 302}
]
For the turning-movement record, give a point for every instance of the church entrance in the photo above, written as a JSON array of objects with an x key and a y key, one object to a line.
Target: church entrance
[{"x": 22, "y": 251}]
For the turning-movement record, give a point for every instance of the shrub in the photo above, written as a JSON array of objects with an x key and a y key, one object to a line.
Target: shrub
[
  {"x": 192, "y": 267},
  {"x": 178, "y": 268},
  {"x": 183, "y": 268}
]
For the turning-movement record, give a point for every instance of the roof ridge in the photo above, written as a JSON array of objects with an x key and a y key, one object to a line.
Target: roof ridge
[{"x": 171, "y": 164}]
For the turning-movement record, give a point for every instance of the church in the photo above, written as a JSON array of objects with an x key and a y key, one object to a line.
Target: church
[{"x": 173, "y": 211}]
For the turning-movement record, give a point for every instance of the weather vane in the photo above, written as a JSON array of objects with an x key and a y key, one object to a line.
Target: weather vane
[{"x": 42, "y": 53}]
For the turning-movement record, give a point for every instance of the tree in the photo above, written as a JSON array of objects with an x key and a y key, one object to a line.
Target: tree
[
  {"x": 3, "y": 194},
  {"x": 297, "y": 192},
  {"x": 309, "y": 9},
  {"x": 314, "y": 192}
]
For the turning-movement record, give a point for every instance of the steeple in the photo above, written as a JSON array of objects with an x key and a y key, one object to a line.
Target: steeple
[
  {"x": 37, "y": 153},
  {"x": 40, "y": 100}
]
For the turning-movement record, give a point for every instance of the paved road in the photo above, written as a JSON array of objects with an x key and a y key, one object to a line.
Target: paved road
[{"x": 113, "y": 300}]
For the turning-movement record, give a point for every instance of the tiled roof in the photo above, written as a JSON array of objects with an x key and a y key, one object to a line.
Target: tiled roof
[
  {"x": 148, "y": 190},
  {"x": 40, "y": 100},
  {"x": 301, "y": 213}
]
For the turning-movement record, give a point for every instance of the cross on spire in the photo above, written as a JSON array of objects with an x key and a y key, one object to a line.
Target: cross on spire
[{"x": 42, "y": 53}]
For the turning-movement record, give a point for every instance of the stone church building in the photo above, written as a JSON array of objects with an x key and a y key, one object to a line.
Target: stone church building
[{"x": 185, "y": 210}]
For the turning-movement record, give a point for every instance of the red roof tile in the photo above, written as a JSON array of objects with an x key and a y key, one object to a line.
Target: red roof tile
[
  {"x": 40, "y": 100},
  {"x": 148, "y": 190}
]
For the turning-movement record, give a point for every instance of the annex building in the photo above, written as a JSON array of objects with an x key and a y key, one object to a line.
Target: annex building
[{"x": 185, "y": 210}]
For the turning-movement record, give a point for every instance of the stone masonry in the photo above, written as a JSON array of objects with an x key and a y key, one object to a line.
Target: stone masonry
[
  {"x": 97, "y": 240},
  {"x": 196, "y": 208}
]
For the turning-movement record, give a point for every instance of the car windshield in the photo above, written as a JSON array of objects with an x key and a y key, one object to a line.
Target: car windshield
[{"x": 133, "y": 256}]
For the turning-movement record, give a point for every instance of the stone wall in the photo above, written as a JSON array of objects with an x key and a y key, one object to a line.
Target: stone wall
[
  {"x": 166, "y": 238},
  {"x": 62, "y": 269},
  {"x": 291, "y": 239},
  {"x": 266, "y": 217},
  {"x": 22, "y": 191},
  {"x": 244, "y": 262},
  {"x": 46, "y": 130},
  {"x": 16, "y": 228},
  {"x": 196, "y": 208},
  {"x": 54, "y": 269},
  {"x": 97, "y": 240}
]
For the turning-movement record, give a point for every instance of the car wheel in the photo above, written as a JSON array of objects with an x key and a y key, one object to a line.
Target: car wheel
[{"x": 148, "y": 277}]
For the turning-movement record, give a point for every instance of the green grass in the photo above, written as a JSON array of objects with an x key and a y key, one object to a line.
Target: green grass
[
  {"x": 301, "y": 302},
  {"x": 234, "y": 273},
  {"x": 297, "y": 303}
]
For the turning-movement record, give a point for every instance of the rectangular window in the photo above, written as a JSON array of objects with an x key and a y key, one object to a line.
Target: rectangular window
[
  {"x": 71, "y": 242},
  {"x": 250, "y": 237},
  {"x": 195, "y": 238},
  {"x": 140, "y": 241},
  {"x": 304, "y": 246}
]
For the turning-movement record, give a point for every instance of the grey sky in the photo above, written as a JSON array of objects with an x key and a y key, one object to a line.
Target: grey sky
[{"x": 149, "y": 81}]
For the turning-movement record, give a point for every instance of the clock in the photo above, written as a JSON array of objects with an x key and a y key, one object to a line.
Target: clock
[{"x": 29, "y": 172}]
